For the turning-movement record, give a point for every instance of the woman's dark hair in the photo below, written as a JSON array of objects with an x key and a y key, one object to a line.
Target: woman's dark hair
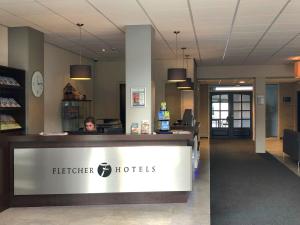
[{"x": 90, "y": 119}]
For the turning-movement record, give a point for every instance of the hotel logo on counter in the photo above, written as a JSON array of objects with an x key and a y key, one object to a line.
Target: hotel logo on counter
[
  {"x": 91, "y": 170},
  {"x": 104, "y": 170}
]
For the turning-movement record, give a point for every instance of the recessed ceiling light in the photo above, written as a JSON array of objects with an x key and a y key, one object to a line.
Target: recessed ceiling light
[
  {"x": 103, "y": 50},
  {"x": 234, "y": 88},
  {"x": 242, "y": 82},
  {"x": 294, "y": 58}
]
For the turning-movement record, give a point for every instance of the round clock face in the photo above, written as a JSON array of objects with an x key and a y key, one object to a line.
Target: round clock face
[{"x": 37, "y": 84}]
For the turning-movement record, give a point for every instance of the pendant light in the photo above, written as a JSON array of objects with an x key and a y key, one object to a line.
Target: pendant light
[
  {"x": 186, "y": 85},
  {"x": 176, "y": 74},
  {"x": 80, "y": 72}
]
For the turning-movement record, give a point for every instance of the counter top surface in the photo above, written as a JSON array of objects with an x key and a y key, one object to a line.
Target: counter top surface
[{"x": 101, "y": 138}]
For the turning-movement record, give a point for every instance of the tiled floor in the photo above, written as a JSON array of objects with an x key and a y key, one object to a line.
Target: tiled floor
[
  {"x": 274, "y": 146},
  {"x": 195, "y": 212}
]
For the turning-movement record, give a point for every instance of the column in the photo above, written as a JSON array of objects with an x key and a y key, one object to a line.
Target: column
[
  {"x": 139, "y": 39},
  {"x": 26, "y": 51},
  {"x": 260, "y": 115}
]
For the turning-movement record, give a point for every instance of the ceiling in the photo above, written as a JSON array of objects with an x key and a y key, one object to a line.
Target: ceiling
[{"x": 215, "y": 32}]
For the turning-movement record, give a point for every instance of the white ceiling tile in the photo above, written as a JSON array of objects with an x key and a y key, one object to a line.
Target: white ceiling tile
[
  {"x": 122, "y": 12},
  {"x": 24, "y": 8},
  {"x": 233, "y": 60},
  {"x": 10, "y": 20},
  {"x": 14, "y": 1},
  {"x": 212, "y": 4},
  {"x": 212, "y": 20},
  {"x": 260, "y": 7},
  {"x": 293, "y": 7},
  {"x": 249, "y": 28}
]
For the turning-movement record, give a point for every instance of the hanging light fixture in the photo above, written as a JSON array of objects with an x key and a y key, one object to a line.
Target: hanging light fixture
[
  {"x": 186, "y": 85},
  {"x": 80, "y": 72},
  {"x": 176, "y": 74}
]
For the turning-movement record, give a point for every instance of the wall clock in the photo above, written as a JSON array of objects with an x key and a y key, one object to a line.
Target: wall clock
[{"x": 37, "y": 84}]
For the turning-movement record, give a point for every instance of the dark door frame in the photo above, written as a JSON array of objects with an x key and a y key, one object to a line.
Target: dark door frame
[
  {"x": 122, "y": 95},
  {"x": 298, "y": 111},
  {"x": 231, "y": 132}
]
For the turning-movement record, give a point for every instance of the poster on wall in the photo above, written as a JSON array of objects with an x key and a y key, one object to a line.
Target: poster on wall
[{"x": 138, "y": 97}]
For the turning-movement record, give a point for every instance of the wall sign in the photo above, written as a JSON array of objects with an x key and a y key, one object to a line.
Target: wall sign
[
  {"x": 138, "y": 97},
  {"x": 102, "y": 170},
  {"x": 260, "y": 99}
]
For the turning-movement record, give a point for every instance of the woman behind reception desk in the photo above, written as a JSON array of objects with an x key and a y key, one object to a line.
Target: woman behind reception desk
[
  {"x": 90, "y": 124},
  {"x": 89, "y": 127},
  {"x": 102, "y": 126}
]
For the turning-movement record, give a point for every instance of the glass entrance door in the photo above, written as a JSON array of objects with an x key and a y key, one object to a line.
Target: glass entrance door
[
  {"x": 231, "y": 115},
  {"x": 220, "y": 114}
]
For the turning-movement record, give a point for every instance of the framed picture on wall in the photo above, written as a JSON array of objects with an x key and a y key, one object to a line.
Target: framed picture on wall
[{"x": 138, "y": 97}]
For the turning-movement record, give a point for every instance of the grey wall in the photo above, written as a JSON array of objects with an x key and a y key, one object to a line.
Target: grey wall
[
  {"x": 57, "y": 74},
  {"x": 287, "y": 110},
  {"x": 26, "y": 51},
  {"x": 173, "y": 100},
  {"x": 109, "y": 76},
  {"x": 196, "y": 92},
  {"x": 3, "y": 46},
  {"x": 139, "y": 40},
  {"x": 184, "y": 99},
  {"x": 204, "y": 111}
]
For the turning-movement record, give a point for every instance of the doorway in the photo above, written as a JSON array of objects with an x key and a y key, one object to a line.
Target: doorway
[
  {"x": 123, "y": 105},
  {"x": 298, "y": 109},
  {"x": 231, "y": 114}
]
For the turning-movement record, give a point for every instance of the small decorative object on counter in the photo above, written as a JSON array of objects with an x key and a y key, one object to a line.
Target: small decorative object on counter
[
  {"x": 135, "y": 128},
  {"x": 163, "y": 119},
  {"x": 145, "y": 127},
  {"x": 163, "y": 106}
]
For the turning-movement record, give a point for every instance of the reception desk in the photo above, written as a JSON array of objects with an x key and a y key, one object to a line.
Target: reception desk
[{"x": 95, "y": 169}]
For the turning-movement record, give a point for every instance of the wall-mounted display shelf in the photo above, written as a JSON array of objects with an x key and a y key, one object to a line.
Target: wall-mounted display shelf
[{"x": 12, "y": 100}]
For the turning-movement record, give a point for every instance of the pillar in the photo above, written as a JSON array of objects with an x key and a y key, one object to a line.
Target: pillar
[
  {"x": 260, "y": 115},
  {"x": 26, "y": 51},
  {"x": 139, "y": 39}
]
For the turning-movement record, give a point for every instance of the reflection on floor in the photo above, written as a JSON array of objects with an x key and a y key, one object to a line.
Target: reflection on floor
[
  {"x": 274, "y": 147},
  {"x": 195, "y": 212}
]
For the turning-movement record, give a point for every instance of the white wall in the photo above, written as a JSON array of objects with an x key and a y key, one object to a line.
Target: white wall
[
  {"x": 204, "y": 111},
  {"x": 260, "y": 115},
  {"x": 287, "y": 110},
  {"x": 287, "y": 118},
  {"x": 109, "y": 76},
  {"x": 57, "y": 63},
  {"x": 139, "y": 42},
  {"x": 161, "y": 78},
  {"x": 26, "y": 51},
  {"x": 3, "y": 46}
]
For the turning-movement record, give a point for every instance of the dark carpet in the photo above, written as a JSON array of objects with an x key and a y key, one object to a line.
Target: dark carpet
[{"x": 249, "y": 188}]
